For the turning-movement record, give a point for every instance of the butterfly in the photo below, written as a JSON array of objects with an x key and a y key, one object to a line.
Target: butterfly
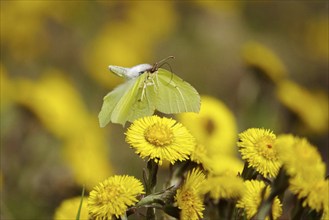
[{"x": 147, "y": 88}]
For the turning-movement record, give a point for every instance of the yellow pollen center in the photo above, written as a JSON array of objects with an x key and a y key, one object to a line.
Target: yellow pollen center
[
  {"x": 109, "y": 193},
  {"x": 159, "y": 135},
  {"x": 265, "y": 148}
]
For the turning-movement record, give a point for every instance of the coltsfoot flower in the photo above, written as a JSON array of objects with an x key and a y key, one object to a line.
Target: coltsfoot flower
[
  {"x": 189, "y": 197},
  {"x": 252, "y": 198},
  {"x": 68, "y": 209},
  {"x": 227, "y": 186},
  {"x": 113, "y": 196},
  {"x": 306, "y": 170},
  {"x": 257, "y": 148},
  {"x": 160, "y": 139}
]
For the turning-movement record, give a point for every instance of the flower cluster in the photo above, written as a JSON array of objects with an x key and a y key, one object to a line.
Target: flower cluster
[
  {"x": 254, "y": 192},
  {"x": 199, "y": 182},
  {"x": 204, "y": 176}
]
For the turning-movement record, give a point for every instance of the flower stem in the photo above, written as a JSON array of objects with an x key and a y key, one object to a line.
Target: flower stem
[
  {"x": 151, "y": 181},
  {"x": 279, "y": 185}
]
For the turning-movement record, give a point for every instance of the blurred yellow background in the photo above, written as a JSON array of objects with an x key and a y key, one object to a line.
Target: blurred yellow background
[{"x": 266, "y": 61}]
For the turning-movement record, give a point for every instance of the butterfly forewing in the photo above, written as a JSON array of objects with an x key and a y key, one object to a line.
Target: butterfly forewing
[{"x": 174, "y": 95}]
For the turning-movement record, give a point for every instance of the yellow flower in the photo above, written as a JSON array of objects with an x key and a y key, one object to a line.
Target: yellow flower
[
  {"x": 224, "y": 187},
  {"x": 226, "y": 164},
  {"x": 316, "y": 37},
  {"x": 160, "y": 139},
  {"x": 252, "y": 198},
  {"x": 68, "y": 209},
  {"x": 318, "y": 197},
  {"x": 257, "y": 148},
  {"x": 6, "y": 89},
  {"x": 325, "y": 215},
  {"x": 214, "y": 126},
  {"x": 113, "y": 196},
  {"x": 260, "y": 57},
  {"x": 315, "y": 116},
  {"x": 199, "y": 156},
  {"x": 189, "y": 197},
  {"x": 304, "y": 165}
]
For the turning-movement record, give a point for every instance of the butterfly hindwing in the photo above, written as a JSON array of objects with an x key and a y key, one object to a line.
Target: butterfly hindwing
[
  {"x": 110, "y": 101},
  {"x": 174, "y": 95}
]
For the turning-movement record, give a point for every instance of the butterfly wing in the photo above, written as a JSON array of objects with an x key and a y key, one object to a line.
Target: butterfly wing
[
  {"x": 136, "y": 103},
  {"x": 174, "y": 95},
  {"x": 110, "y": 101}
]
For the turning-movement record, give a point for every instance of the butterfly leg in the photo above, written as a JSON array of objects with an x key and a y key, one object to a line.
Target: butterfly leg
[{"x": 143, "y": 91}]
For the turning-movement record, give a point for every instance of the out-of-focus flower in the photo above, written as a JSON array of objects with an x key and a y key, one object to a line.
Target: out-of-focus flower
[
  {"x": 257, "y": 56},
  {"x": 316, "y": 37},
  {"x": 25, "y": 27},
  {"x": 116, "y": 42},
  {"x": 296, "y": 98},
  {"x": 113, "y": 196},
  {"x": 200, "y": 156},
  {"x": 226, "y": 164},
  {"x": 225, "y": 186},
  {"x": 304, "y": 165},
  {"x": 160, "y": 139},
  {"x": 325, "y": 215},
  {"x": 87, "y": 153},
  {"x": 257, "y": 148},
  {"x": 6, "y": 88},
  {"x": 55, "y": 102},
  {"x": 214, "y": 126},
  {"x": 68, "y": 209},
  {"x": 318, "y": 198},
  {"x": 61, "y": 110},
  {"x": 189, "y": 197},
  {"x": 252, "y": 198}
]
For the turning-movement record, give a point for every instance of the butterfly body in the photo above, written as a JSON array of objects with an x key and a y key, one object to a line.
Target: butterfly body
[{"x": 132, "y": 72}]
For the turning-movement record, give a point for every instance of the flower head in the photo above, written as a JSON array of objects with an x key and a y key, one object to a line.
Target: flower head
[
  {"x": 300, "y": 158},
  {"x": 160, "y": 139},
  {"x": 68, "y": 209},
  {"x": 224, "y": 187},
  {"x": 260, "y": 57},
  {"x": 199, "y": 156},
  {"x": 257, "y": 148},
  {"x": 214, "y": 126},
  {"x": 226, "y": 164},
  {"x": 189, "y": 197},
  {"x": 295, "y": 98},
  {"x": 318, "y": 198},
  {"x": 113, "y": 196},
  {"x": 306, "y": 171},
  {"x": 252, "y": 198}
]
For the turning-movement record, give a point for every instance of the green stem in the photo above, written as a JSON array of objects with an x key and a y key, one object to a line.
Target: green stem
[
  {"x": 279, "y": 185},
  {"x": 297, "y": 211},
  {"x": 151, "y": 181},
  {"x": 248, "y": 173},
  {"x": 80, "y": 205}
]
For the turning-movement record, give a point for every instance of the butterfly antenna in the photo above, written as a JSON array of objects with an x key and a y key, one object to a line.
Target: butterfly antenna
[
  {"x": 172, "y": 75},
  {"x": 160, "y": 63}
]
